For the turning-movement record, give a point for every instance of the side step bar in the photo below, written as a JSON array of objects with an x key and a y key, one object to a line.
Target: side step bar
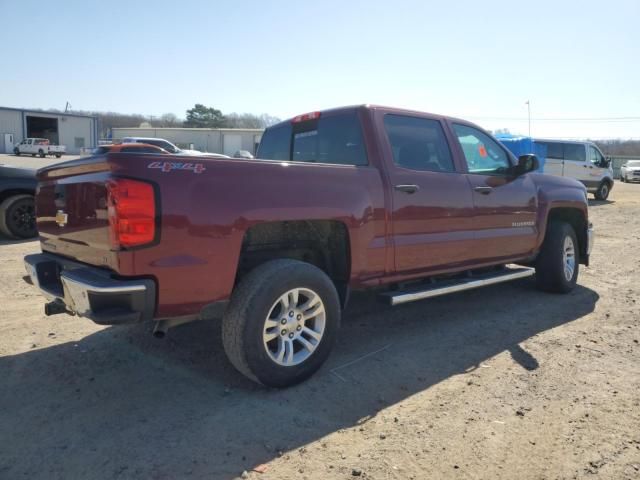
[{"x": 457, "y": 285}]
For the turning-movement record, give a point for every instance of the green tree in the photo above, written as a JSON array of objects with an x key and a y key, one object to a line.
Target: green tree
[{"x": 204, "y": 117}]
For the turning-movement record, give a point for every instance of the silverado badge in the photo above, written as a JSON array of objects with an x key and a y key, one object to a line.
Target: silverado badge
[{"x": 61, "y": 218}]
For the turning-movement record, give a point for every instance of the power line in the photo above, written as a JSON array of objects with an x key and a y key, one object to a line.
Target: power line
[{"x": 550, "y": 119}]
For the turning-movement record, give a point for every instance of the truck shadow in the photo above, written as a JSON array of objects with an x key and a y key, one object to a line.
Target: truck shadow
[{"x": 121, "y": 404}]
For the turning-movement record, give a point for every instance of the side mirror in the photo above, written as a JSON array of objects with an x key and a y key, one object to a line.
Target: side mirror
[{"x": 527, "y": 163}]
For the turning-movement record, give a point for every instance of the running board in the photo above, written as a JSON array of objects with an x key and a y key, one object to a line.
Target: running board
[{"x": 457, "y": 285}]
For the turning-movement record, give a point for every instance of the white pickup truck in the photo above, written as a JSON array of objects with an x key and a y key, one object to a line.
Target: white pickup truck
[{"x": 38, "y": 146}]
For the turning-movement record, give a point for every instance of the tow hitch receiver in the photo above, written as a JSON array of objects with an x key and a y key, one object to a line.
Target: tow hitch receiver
[{"x": 55, "y": 307}]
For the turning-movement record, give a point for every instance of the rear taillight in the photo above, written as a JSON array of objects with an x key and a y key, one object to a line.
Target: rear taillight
[{"x": 132, "y": 212}]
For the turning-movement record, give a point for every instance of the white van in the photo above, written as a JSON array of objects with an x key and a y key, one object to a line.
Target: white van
[{"x": 580, "y": 160}]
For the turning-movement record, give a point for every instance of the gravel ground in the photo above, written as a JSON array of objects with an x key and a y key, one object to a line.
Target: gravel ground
[
  {"x": 505, "y": 382},
  {"x": 27, "y": 161}
]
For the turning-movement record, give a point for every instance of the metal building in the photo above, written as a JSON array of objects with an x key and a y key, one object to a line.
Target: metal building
[
  {"x": 214, "y": 140},
  {"x": 73, "y": 131}
]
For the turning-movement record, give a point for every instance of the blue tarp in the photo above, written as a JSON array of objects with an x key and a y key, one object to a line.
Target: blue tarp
[{"x": 520, "y": 145}]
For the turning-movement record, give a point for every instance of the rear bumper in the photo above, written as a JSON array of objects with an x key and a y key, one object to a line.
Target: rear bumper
[{"x": 91, "y": 292}]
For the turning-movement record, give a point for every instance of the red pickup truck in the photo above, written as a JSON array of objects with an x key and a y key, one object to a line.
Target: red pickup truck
[{"x": 411, "y": 204}]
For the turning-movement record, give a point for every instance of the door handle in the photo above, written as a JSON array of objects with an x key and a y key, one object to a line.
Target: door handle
[
  {"x": 483, "y": 190},
  {"x": 407, "y": 188}
]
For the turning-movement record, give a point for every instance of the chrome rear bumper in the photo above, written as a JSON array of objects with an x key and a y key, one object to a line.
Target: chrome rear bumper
[{"x": 90, "y": 292}]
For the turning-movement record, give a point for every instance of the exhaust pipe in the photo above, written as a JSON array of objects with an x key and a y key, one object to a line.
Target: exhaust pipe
[
  {"x": 162, "y": 326},
  {"x": 160, "y": 329},
  {"x": 54, "y": 308}
]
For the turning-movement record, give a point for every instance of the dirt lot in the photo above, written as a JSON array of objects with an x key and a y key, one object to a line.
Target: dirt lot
[{"x": 505, "y": 382}]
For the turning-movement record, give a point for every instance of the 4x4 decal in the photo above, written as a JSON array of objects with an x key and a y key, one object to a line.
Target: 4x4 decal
[{"x": 168, "y": 166}]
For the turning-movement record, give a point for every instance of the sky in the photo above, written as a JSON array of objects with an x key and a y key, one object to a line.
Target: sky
[{"x": 577, "y": 63}]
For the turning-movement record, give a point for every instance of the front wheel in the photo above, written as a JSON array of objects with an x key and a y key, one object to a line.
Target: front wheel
[
  {"x": 16, "y": 151},
  {"x": 58, "y": 155},
  {"x": 41, "y": 153},
  {"x": 603, "y": 191},
  {"x": 622, "y": 178},
  {"x": 557, "y": 264},
  {"x": 281, "y": 322}
]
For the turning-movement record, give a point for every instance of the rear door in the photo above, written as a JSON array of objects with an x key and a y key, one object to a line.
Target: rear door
[
  {"x": 432, "y": 206},
  {"x": 505, "y": 205}
]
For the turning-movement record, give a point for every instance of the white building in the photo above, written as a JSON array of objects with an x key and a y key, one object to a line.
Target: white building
[
  {"x": 73, "y": 131},
  {"x": 214, "y": 140}
]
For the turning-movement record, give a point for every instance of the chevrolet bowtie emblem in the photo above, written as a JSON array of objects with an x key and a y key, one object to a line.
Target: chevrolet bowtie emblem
[{"x": 61, "y": 218}]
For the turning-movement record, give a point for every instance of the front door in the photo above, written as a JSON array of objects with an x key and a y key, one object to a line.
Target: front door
[
  {"x": 505, "y": 205},
  {"x": 432, "y": 204}
]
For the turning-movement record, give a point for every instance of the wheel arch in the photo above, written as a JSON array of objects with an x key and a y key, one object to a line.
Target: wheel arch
[
  {"x": 323, "y": 243},
  {"x": 578, "y": 220}
]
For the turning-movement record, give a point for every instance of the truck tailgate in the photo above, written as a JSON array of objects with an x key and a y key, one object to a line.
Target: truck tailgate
[{"x": 71, "y": 211}]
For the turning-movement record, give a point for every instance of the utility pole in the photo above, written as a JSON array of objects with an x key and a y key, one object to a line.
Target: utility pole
[
  {"x": 67, "y": 107},
  {"x": 529, "y": 114}
]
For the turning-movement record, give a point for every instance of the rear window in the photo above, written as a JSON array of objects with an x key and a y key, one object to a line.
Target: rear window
[{"x": 335, "y": 139}]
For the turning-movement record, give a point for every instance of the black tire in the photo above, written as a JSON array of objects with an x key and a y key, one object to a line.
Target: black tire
[
  {"x": 33, "y": 154},
  {"x": 16, "y": 151},
  {"x": 58, "y": 155},
  {"x": 550, "y": 264},
  {"x": 252, "y": 302},
  {"x": 17, "y": 217},
  {"x": 603, "y": 190},
  {"x": 622, "y": 178},
  {"x": 41, "y": 153}
]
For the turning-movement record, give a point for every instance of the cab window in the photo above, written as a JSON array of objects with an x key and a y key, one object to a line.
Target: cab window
[
  {"x": 482, "y": 153},
  {"x": 595, "y": 156}
]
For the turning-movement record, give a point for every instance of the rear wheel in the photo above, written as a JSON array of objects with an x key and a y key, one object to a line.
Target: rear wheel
[
  {"x": 281, "y": 322},
  {"x": 603, "y": 191},
  {"x": 58, "y": 155},
  {"x": 41, "y": 153},
  {"x": 557, "y": 264},
  {"x": 17, "y": 217}
]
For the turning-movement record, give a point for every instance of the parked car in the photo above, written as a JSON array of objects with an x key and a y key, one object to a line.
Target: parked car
[
  {"x": 129, "y": 148},
  {"x": 243, "y": 154},
  {"x": 411, "y": 204},
  {"x": 170, "y": 147},
  {"x": 17, "y": 211},
  {"x": 630, "y": 171},
  {"x": 38, "y": 146},
  {"x": 580, "y": 160}
]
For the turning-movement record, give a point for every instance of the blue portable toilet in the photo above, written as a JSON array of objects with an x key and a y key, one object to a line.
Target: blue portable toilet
[{"x": 521, "y": 145}]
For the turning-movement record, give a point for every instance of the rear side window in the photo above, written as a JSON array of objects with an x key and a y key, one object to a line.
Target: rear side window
[
  {"x": 565, "y": 151},
  {"x": 575, "y": 152},
  {"x": 418, "y": 143},
  {"x": 554, "y": 149},
  {"x": 335, "y": 139}
]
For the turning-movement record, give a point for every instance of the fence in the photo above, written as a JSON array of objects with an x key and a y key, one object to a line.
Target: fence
[{"x": 617, "y": 161}]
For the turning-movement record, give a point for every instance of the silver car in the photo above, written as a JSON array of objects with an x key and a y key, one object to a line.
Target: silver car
[{"x": 630, "y": 171}]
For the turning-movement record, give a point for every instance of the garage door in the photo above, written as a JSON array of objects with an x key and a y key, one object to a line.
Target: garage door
[{"x": 232, "y": 143}]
